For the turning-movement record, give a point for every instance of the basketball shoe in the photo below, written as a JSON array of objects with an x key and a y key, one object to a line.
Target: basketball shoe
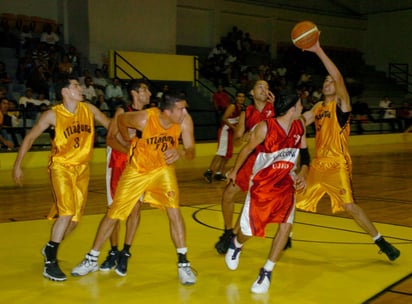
[
  {"x": 186, "y": 274},
  {"x": 232, "y": 255},
  {"x": 219, "y": 177},
  {"x": 51, "y": 269},
  {"x": 208, "y": 176},
  {"x": 262, "y": 283},
  {"x": 121, "y": 268},
  {"x": 111, "y": 260},
  {"x": 89, "y": 264},
  {"x": 224, "y": 241},
  {"x": 385, "y": 247}
]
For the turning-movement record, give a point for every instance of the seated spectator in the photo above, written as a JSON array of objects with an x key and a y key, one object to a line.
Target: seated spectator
[
  {"x": 49, "y": 37},
  {"x": 5, "y": 122},
  {"x": 114, "y": 94},
  {"x": 102, "y": 104},
  {"x": 99, "y": 81},
  {"x": 38, "y": 80},
  {"x": 43, "y": 103},
  {"x": 383, "y": 105},
  {"x": 30, "y": 107},
  {"x": 390, "y": 117},
  {"x": 65, "y": 67},
  {"x": 89, "y": 92},
  {"x": 25, "y": 40},
  {"x": 74, "y": 59},
  {"x": 41, "y": 56}
]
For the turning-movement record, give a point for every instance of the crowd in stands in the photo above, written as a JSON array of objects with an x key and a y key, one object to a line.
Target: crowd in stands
[
  {"x": 43, "y": 59},
  {"x": 229, "y": 65}
]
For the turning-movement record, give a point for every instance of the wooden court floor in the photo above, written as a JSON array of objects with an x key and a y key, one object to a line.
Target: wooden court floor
[{"x": 331, "y": 260}]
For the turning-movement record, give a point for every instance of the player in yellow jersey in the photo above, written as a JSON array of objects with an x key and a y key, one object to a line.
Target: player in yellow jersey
[
  {"x": 72, "y": 146},
  {"x": 151, "y": 172},
  {"x": 331, "y": 169}
]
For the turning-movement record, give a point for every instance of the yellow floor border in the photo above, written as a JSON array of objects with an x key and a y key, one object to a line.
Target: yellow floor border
[{"x": 40, "y": 158}]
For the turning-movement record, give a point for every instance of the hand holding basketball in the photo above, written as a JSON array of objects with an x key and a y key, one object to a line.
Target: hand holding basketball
[{"x": 305, "y": 34}]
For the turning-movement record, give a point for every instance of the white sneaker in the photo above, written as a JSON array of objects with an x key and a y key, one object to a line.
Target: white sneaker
[
  {"x": 232, "y": 256},
  {"x": 89, "y": 264},
  {"x": 186, "y": 275},
  {"x": 262, "y": 283}
]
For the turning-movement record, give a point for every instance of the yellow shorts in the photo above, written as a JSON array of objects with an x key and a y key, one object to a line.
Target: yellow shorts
[
  {"x": 70, "y": 187},
  {"x": 159, "y": 187},
  {"x": 334, "y": 180}
]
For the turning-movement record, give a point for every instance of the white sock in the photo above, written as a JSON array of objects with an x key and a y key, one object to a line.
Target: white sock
[
  {"x": 269, "y": 265},
  {"x": 94, "y": 253},
  {"x": 237, "y": 244},
  {"x": 376, "y": 237},
  {"x": 182, "y": 250}
]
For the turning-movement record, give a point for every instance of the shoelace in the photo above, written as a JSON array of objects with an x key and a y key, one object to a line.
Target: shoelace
[
  {"x": 89, "y": 260},
  {"x": 263, "y": 273},
  {"x": 236, "y": 252},
  {"x": 187, "y": 268}
]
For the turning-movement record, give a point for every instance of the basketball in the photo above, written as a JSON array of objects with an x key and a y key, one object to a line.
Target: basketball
[{"x": 305, "y": 34}]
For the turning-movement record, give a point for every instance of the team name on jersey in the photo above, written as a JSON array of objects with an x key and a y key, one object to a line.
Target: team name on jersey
[
  {"x": 323, "y": 115},
  {"x": 77, "y": 129},
  {"x": 161, "y": 142},
  {"x": 285, "y": 154}
]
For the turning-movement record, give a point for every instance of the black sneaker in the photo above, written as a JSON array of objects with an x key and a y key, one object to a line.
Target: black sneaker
[
  {"x": 224, "y": 241},
  {"x": 121, "y": 268},
  {"x": 392, "y": 252},
  {"x": 288, "y": 243},
  {"x": 219, "y": 177},
  {"x": 208, "y": 176},
  {"x": 111, "y": 260},
  {"x": 53, "y": 272}
]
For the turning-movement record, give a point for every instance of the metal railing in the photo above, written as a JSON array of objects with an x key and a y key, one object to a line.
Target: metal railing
[{"x": 399, "y": 72}]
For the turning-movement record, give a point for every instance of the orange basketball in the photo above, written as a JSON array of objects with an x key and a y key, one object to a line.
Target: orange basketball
[{"x": 305, "y": 34}]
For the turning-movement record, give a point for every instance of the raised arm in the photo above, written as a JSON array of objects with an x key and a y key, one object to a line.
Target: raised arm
[
  {"x": 342, "y": 94},
  {"x": 46, "y": 120}
]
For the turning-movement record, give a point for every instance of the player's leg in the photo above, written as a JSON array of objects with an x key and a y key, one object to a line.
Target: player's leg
[
  {"x": 228, "y": 206},
  {"x": 131, "y": 226}
]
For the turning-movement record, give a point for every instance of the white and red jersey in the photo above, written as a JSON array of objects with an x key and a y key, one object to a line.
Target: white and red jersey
[{"x": 271, "y": 193}]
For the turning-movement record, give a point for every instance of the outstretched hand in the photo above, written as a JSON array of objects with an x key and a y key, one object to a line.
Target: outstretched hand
[{"x": 18, "y": 176}]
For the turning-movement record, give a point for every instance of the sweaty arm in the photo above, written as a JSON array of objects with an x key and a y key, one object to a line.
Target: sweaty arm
[
  {"x": 188, "y": 139},
  {"x": 113, "y": 138},
  {"x": 132, "y": 120},
  {"x": 46, "y": 120}
]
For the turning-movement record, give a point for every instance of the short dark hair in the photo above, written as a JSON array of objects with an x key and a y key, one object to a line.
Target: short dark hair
[
  {"x": 135, "y": 84},
  {"x": 284, "y": 102},
  {"x": 169, "y": 99},
  {"x": 63, "y": 83}
]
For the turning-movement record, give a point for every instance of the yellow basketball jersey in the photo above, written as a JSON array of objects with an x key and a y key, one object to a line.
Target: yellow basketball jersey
[
  {"x": 74, "y": 135},
  {"x": 331, "y": 138},
  {"x": 147, "y": 152}
]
